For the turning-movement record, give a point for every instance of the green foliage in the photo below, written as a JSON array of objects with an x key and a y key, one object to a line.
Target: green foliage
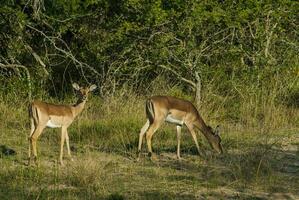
[{"x": 241, "y": 50}]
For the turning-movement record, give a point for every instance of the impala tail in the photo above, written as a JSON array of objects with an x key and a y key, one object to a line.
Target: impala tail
[
  {"x": 150, "y": 112},
  {"x": 33, "y": 116}
]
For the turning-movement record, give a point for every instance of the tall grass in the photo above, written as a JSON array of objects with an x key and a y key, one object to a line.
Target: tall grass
[{"x": 259, "y": 137}]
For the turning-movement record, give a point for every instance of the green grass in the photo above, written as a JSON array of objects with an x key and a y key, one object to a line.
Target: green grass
[{"x": 259, "y": 162}]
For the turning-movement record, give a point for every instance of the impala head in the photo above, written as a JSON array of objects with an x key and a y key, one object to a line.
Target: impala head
[
  {"x": 83, "y": 91},
  {"x": 216, "y": 140}
]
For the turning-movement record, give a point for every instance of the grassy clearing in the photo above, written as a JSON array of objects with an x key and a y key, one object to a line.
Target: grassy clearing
[{"x": 260, "y": 162}]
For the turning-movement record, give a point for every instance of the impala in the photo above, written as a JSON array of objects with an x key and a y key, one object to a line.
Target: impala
[
  {"x": 55, "y": 116},
  {"x": 179, "y": 112}
]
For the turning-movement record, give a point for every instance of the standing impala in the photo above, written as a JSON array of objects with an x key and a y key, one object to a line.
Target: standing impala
[
  {"x": 179, "y": 112},
  {"x": 55, "y": 116}
]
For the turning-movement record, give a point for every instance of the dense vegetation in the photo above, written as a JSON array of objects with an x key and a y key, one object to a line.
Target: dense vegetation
[
  {"x": 234, "y": 46},
  {"x": 237, "y": 60}
]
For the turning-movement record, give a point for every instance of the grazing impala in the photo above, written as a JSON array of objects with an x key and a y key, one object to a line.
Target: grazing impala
[
  {"x": 179, "y": 112},
  {"x": 55, "y": 116}
]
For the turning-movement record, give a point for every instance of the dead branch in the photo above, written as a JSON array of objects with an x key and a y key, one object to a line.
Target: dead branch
[
  {"x": 14, "y": 66},
  {"x": 193, "y": 84},
  {"x": 269, "y": 33},
  {"x": 198, "y": 89},
  {"x": 68, "y": 53},
  {"x": 37, "y": 58}
]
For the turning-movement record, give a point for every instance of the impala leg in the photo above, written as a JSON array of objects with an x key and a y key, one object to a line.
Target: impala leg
[
  {"x": 141, "y": 135},
  {"x": 152, "y": 129},
  {"x": 63, "y": 136},
  {"x": 193, "y": 134},
  {"x": 179, "y": 131},
  {"x": 33, "y": 139},
  {"x": 29, "y": 140},
  {"x": 68, "y": 145}
]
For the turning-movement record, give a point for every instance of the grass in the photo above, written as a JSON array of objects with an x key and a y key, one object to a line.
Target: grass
[{"x": 259, "y": 162}]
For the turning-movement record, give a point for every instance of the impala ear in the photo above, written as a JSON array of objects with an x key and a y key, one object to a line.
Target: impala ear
[
  {"x": 92, "y": 87},
  {"x": 217, "y": 130},
  {"x": 76, "y": 86}
]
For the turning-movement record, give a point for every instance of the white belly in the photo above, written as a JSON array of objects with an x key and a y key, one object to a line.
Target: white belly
[
  {"x": 171, "y": 119},
  {"x": 52, "y": 125}
]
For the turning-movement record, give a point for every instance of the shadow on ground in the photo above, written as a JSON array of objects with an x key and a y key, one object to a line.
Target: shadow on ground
[{"x": 270, "y": 167}]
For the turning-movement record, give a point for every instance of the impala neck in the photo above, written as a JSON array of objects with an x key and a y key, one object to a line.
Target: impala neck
[
  {"x": 207, "y": 132},
  {"x": 78, "y": 107}
]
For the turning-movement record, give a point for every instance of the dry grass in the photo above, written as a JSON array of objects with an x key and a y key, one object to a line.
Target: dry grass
[{"x": 261, "y": 161}]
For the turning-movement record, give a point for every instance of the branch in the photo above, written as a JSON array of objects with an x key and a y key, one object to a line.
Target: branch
[
  {"x": 37, "y": 58},
  {"x": 179, "y": 76},
  {"x": 198, "y": 89},
  {"x": 68, "y": 53},
  {"x": 13, "y": 66},
  {"x": 269, "y": 36},
  {"x": 269, "y": 33}
]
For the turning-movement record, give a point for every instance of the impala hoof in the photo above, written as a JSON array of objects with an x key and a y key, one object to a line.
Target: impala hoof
[
  {"x": 61, "y": 163},
  {"x": 35, "y": 161},
  {"x": 138, "y": 155},
  {"x": 152, "y": 156}
]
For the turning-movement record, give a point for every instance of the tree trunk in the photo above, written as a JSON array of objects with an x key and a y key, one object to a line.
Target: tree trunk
[{"x": 198, "y": 90}]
